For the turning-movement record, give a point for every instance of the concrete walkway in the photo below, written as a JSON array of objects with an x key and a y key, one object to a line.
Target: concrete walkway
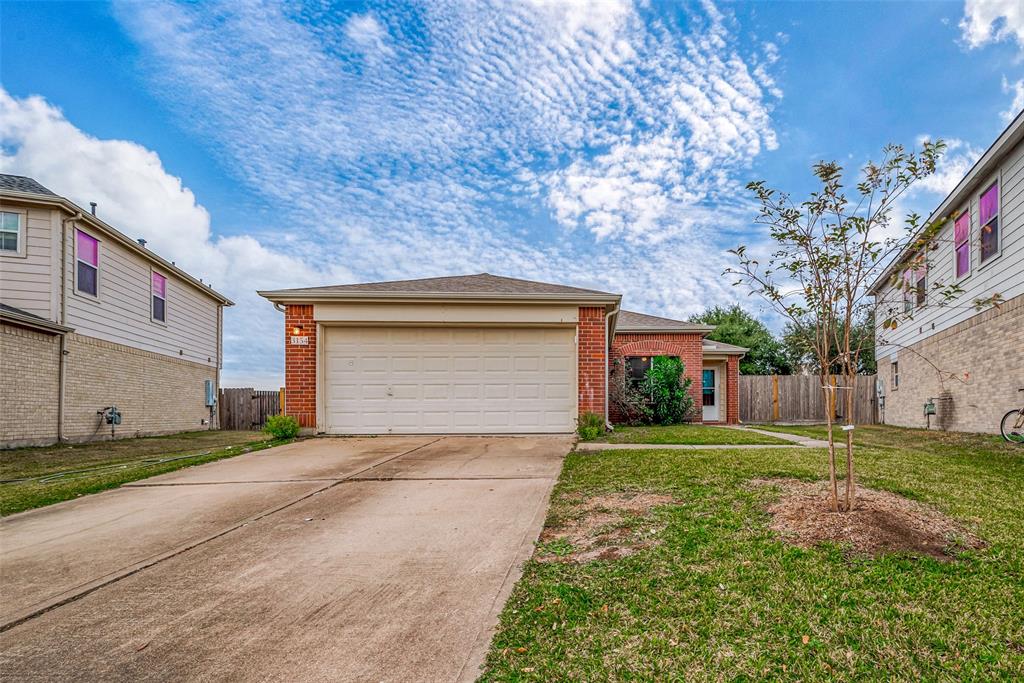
[
  {"x": 330, "y": 559},
  {"x": 792, "y": 438}
]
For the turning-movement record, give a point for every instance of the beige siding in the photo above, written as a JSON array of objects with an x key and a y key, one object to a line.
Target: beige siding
[
  {"x": 26, "y": 281},
  {"x": 122, "y": 311},
  {"x": 1003, "y": 274}
]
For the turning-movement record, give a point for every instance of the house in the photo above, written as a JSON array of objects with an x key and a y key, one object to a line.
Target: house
[
  {"x": 92, "y": 320},
  {"x": 478, "y": 354},
  {"x": 964, "y": 358}
]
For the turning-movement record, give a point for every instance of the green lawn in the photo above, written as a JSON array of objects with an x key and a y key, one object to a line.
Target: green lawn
[
  {"x": 687, "y": 434},
  {"x": 722, "y": 599},
  {"x": 33, "y": 477}
]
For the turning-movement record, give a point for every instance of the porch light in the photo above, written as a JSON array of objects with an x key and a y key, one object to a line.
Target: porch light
[{"x": 297, "y": 331}]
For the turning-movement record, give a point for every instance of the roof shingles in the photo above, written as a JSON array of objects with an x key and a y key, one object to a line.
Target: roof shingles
[
  {"x": 482, "y": 283},
  {"x": 20, "y": 183}
]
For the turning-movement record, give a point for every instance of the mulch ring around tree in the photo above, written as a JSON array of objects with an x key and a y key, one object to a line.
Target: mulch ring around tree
[
  {"x": 881, "y": 522},
  {"x": 604, "y": 527}
]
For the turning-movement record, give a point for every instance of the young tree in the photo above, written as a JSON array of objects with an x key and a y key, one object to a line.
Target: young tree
[
  {"x": 829, "y": 249},
  {"x": 733, "y": 325}
]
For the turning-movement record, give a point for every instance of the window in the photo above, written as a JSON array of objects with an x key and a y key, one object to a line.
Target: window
[
  {"x": 921, "y": 287},
  {"x": 895, "y": 375},
  {"x": 10, "y": 232},
  {"x": 962, "y": 244},
  {"x": 159, "y": 289},
  {"x": 87, "y": 262},
  {"x": 636, "y": 369},
  {"x": 988, "y": 219}
]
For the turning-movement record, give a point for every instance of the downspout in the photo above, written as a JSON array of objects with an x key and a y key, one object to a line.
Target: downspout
[
  {"x": 607, "y": 360},
  {"x": 62, "y": 361}
]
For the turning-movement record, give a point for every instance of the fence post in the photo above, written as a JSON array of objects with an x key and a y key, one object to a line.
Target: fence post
[{"x": 775, "y": 398}]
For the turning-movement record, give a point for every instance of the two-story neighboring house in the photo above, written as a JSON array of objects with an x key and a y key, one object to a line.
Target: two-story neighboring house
[
  {"x": 91, "y": 319},
  {"x": 963, "y": 355}
]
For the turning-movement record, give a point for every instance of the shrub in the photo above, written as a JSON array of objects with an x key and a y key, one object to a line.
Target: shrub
[
  {"x": 663, "y": 397},
  {"x": 590, "y": 426},
  {"x": 669, "y": 391},
  {"x": 282, "y": 427}
]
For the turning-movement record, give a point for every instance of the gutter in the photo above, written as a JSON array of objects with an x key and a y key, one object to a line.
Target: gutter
[
  {"x": 279, "y": 297},
  {"x": 614, "y": 313},
  {"x": 62, "y": 365}
]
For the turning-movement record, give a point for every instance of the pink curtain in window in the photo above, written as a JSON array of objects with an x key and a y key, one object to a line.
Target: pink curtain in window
[
  {"x": 88, "y": 248},
  {"x": 160, "y": 285},
  {"x": 989, "y": 204},
  {"x": 962, "y": 228},
  {"x": 963, "y": 259}
]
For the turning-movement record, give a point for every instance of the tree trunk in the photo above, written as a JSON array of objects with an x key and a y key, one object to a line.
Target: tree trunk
[
  {"x": 851, "y": 379},
  {"x": 830, "y": 411}
]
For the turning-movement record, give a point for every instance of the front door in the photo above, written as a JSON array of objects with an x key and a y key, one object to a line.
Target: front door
[{"x": 709, "y": 392}]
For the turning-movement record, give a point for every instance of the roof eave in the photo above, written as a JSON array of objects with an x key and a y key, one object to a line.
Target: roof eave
[
  {"x": 299, "y": 297},
  {"x": 34, "y": 322},
  {"x": 121, "y": 238}
]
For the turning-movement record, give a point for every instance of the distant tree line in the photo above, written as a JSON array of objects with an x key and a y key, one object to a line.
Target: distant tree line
[{"x": 787, "y": 354}]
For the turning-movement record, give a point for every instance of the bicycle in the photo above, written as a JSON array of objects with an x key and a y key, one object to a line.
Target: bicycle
[{"x": 1012, "y": 425}]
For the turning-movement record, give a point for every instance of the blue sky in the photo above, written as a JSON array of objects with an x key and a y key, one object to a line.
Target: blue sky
[{"x": 602, "y": 144}]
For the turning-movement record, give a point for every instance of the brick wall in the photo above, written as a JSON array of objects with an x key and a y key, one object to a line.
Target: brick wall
[
  {"x": 687, "y": 347},
  {"x": 592, "y": 358},
  {"x": 300, "y": 366},
  {"x": 28, "y": 386},
  {"x": 732, "y": 390},
  {"x": 155, "y": 393},
  {"x": 986, "y": 348}
]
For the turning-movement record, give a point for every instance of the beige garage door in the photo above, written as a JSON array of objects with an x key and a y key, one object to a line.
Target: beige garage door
[{"x": 449, "y": 380}]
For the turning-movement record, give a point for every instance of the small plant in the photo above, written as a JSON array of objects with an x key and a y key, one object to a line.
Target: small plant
[
  {"x": 590, "y": 426},
  {"x": 282, "y": 427}
]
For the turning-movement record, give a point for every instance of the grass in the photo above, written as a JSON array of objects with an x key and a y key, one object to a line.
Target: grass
[
  {"x": 722, "y": 599},
  {"x": 687, "y": 434},
  {"x": 34, "y": 477}
]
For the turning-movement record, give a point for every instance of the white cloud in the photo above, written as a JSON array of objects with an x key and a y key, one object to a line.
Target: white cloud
[
  {"x": 954, "y": 164},
  {"x": 992, "y": 21},
  {"x": 593, "y": 145},
  {"x": 1017, "y": 105},
  {"x": 140, "y": 198}
]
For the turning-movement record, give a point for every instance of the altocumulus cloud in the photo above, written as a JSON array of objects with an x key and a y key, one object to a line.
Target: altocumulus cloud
[{"x": 598, "y": 144}]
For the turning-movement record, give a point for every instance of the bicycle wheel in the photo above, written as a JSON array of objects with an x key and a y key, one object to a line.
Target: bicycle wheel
[{"x": 1006, "y": 428}]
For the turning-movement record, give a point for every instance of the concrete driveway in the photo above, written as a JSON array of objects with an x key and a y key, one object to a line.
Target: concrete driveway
[{"x": 331, "y": 559}]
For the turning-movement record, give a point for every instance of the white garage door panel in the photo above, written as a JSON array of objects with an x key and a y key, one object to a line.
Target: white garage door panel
[{"x": 417, "y": 380}]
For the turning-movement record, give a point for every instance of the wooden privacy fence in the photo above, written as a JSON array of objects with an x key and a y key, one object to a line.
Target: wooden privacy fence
[
  {"x": 245, "y": 409},
  {"x": 798, "y": 398}
]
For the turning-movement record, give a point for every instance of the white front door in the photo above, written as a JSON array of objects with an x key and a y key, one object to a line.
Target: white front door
[
  {"x": 405, "y": 380},
  {"x": 709, "y": 394}
]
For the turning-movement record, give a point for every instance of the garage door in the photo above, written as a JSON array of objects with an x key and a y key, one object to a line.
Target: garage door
[{"x": 449, "y": 380}]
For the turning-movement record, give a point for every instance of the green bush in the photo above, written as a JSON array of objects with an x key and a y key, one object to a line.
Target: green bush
[
  {"x": 590, "y": 426},
  {"x": 663, "y": 397},
  {"x": 282, "y": 427},
  {"x": 671, "y": 402}
]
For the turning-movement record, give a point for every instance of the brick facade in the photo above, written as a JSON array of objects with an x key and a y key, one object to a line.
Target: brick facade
[
  {"x": 300, "y": 365},
  {"x": 592, "y": 359},
  {"x": 155, "y": 393},
  {"x": 687, "y": 347},
  {"x": 732, "y": 390},
  {"x": 28, "y": 386},
  {"x": 986, "y": 349}
]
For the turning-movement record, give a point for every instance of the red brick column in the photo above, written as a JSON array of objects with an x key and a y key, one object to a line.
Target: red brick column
[
  {"x": 300, "y": 366},
  {"x": 732, "y": 389},
  {"x": 592, "y": 356}
]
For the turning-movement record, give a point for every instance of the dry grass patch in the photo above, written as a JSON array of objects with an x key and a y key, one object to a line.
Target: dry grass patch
[
  {"x": 603, "y": 527},
  {"x": 881, "y": 522}
]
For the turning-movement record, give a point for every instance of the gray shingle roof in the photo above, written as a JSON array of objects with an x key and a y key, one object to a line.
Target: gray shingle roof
[
  {"x": 20, "y": 183},
  {"x": 631, "y": 320},
  {"x": 482, "y": 283}
]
